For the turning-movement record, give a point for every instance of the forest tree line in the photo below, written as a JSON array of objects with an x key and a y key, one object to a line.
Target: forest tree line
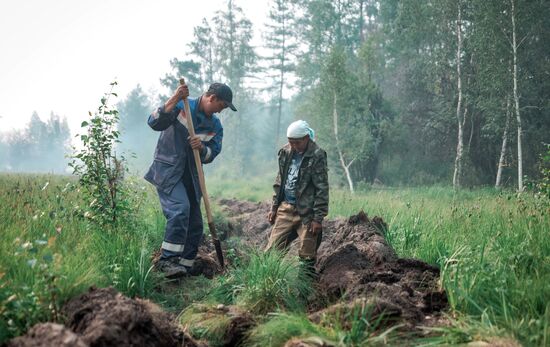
[{"x": 399, "y": 92}]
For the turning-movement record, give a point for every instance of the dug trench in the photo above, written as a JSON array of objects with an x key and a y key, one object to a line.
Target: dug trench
[{"x": 356, "y": 268}]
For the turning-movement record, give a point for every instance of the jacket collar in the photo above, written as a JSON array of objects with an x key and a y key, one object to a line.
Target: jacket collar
[{"x": 310, "y": 150}]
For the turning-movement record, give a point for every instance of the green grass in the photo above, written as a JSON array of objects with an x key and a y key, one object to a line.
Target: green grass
[
  {"x": 493, "y": 249},
  {"x": 263, "y": 283},
  {"x": 282, "y": 327}
]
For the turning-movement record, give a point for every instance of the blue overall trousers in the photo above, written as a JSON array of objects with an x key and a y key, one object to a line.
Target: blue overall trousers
[{"x": 184, "y": 227}]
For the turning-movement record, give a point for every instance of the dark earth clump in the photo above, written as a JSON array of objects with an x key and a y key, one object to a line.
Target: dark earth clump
[
  {"x": 104, "y": 317},
  {"x": 355, "y": 261},
  {"x": 241, "y": 322},
  {"x": 48, "y": 334}
]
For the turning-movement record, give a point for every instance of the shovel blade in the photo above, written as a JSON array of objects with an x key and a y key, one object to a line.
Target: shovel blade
[
  {"x": 217, "y": 244},
  {"x": 219, "y": 252}
]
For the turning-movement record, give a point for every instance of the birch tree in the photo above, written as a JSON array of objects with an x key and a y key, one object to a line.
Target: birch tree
[
  {"x": 502, "y": 157},
  {"x": 460, "y": 117},
  {"x": 515, "y": 46}
]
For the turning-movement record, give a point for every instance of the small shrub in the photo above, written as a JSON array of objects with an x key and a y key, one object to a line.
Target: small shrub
[{"x": 98, "y": 167}]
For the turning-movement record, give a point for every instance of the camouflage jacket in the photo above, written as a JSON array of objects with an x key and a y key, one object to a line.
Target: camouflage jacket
[{"x": 312, "y": 186}]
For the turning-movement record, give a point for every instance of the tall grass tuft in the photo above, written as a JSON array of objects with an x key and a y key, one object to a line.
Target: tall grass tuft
[{"x": 265, "y": 283}]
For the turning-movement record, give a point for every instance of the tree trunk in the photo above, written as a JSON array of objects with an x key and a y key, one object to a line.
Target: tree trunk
[
  {"x": 460, "y": 144},
  {"x": 339, "y": 150},
  {"x": 516, "y": 97},
  {"x": 361, "y": 22},
  {"x": 279, "y": 112},
  {"x": 504, "y": 145},
  {"x": 281, "y": 85}
]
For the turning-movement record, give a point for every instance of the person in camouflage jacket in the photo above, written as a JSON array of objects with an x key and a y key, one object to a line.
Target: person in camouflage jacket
[{"x": 301, "y": 194}]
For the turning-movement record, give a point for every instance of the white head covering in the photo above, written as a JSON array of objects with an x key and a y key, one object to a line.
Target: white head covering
[{"x": 299, "y": 129}]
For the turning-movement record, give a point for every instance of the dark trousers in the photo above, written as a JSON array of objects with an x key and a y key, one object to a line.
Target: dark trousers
[{"x": 184, "y": 227}]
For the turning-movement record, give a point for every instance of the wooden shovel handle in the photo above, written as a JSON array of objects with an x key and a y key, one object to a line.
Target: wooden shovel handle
[{"x": 198, "y": 164}]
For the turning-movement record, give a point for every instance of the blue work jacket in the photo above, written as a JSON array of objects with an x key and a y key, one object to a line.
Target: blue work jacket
[{"x": 173, "y": 152}]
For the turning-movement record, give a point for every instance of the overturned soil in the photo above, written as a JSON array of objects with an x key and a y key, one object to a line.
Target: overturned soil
[
  {"x": 354, "y": 262},
  {"x": 356, "y": 268},
  {"x": 104, "y": 317},
  {"x": 48, "y": 334}
]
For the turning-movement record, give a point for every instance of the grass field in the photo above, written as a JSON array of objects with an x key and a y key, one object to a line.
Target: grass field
[{"x": 493, "y": 249}]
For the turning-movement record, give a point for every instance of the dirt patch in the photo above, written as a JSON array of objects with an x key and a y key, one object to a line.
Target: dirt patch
[
  {"x": 248, "y": 221},
  {"x": 48, "y": 334},
  {"x": 206, "y": 263},
  {"x": 355, "y": 261},
  {"x": 104, "y": 317}
]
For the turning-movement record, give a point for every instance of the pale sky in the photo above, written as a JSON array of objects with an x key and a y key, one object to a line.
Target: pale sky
[{"x": 61, "y": 55}]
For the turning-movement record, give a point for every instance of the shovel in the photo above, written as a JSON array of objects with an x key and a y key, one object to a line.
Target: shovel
[{"x": 202, "y": 183}]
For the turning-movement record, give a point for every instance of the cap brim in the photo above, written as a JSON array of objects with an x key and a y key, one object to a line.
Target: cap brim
[{"x": 230, "y": 105}]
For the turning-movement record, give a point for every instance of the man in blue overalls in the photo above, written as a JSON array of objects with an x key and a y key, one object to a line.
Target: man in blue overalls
[{"x": 174, "y": 172}]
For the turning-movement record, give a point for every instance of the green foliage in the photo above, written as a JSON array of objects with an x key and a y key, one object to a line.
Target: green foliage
[
  {"x": 280, "y": 41},
  {"x": 349, "y": 114},
  {"x": 282, "y": 327},
  {"x": 23, "y": 304},
  {"x": 265, "y": 282},
  {"x": 191, "y": 71},
  {"x": 99, "y": 169},
  {"x": 491, "y": 248}
]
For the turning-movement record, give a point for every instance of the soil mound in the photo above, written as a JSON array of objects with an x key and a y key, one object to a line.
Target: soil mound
[
  {"x": 206, "y": 263},
  {"x": 48, "y": 334},
  {"x": 355, "y": 261},
  {"x": 104, "y": 317}
]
